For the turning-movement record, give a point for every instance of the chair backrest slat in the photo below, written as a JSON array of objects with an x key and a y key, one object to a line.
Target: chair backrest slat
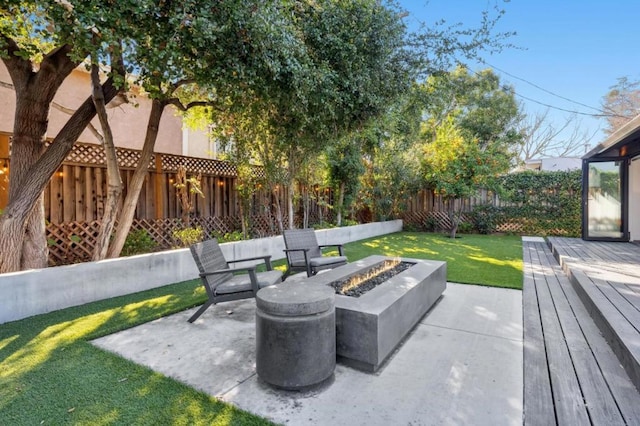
[
  {"x": 301, "y": 239},
  {"x": 209, "y": 257}
]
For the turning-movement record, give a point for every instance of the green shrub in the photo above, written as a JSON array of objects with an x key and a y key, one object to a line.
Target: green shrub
[
  {"x": 431, "y": 223},
  {"x": 483, "y": 218},
  {"x": 138, "y": 242},
  {"x": 349, "y": 222},
  {"x": 228, "y": 236},
  {"x": 465, "y": 228},
  {"x": 188, "y": 236},
  {"x": 410, "y": 227}
]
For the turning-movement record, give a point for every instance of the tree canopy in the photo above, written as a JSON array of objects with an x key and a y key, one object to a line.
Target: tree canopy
[
  {"x": 469, "y": 135},
  {"x": 621, "y": 103},
  {"x": 295, "y": 75}
]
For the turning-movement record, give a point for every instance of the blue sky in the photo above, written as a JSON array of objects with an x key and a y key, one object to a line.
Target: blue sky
[{"x": 575, "y": 49}]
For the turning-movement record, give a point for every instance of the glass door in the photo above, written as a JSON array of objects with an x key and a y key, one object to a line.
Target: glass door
[{"x": 605, "y": 200}]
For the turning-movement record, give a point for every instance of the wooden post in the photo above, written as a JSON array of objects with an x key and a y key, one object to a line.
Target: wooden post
[
  {"x": 4, "y": 170},
  {"x": 158, "y": 190}
]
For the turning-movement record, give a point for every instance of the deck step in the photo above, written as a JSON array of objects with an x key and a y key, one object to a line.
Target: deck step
[
  {"x": 606, "y": 277},
  {"x": 571, "y": 375}
]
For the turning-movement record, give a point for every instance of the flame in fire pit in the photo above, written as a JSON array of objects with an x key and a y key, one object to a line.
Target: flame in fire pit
[
  {"x": 357, "y": 280},
  {"x": 367, "y": 279}
]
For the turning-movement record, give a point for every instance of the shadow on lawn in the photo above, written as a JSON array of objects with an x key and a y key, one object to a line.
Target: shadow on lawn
[{"x": 51, "y": 374}]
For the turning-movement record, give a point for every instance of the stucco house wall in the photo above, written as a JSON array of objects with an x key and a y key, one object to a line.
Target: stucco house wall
[{"x": 128, "y": 121}]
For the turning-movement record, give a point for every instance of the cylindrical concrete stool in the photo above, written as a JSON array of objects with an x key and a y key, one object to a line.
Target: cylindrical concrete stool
[{"x": 295, "y": 334}]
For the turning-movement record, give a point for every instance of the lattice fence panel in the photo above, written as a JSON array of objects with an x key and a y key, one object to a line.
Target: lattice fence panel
[
  {"x": 440, "y": 221},
  {"x": 74, "y": 242},
  {"x": 510, "y": 227},
  {"x": 160, "y": 230},
  {"x": 90, "y": 154},
  {"x": 71, "y": 242},
  {"x": 198, "y": 165}
]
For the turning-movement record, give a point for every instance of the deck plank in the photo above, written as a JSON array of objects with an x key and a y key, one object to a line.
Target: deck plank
[
  {"x": 630, "y": 292},
  {"x": 624, "y": 392},
  {"x": 606, "y": 276},
  {"x": 599, "y": 400},
  {"x": 588, "y": 384},
  {"x": 567, "y": 395},
  {"x": 538, "y": 400}
]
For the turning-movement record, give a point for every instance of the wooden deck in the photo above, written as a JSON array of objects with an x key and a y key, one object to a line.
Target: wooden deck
[{"x": 572, "y": 376}]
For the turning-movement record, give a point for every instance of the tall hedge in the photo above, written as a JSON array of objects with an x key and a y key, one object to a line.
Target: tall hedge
[{"x": 542, "y": 203}]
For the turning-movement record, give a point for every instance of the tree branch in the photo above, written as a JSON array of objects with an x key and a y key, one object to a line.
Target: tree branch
[
  {"x": 175, "y": 86},
  {"x": 57, "y": 64},
  {"x": 182, "y": 107},
  {"x": 19, "y": 69},
  {"x": 39, "y": 174}
]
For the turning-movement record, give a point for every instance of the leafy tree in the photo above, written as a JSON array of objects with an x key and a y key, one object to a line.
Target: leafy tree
[
  {"x": 621, "y": 103},
  {"x": 40, "y": 44},
  {"x": 351, "y": 64},
  {"x": 227, "y": 47},
  {"x": 210, "y": 53},
  {"x": 390, "y": 158},
  {"x": 469, "y": 135},
  {"x": 345, "y": 168}
]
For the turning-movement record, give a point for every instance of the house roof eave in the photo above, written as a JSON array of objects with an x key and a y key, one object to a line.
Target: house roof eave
[{"x": 623, "y": 133}]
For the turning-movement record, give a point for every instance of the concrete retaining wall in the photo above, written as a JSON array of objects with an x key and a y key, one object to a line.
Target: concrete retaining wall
[{"x": 27, "y": 293}]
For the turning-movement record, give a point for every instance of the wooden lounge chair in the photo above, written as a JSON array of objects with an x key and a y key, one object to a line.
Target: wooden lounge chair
[
  {"x": 220, "y": 282},
  {"x": 304, "y": 253}
]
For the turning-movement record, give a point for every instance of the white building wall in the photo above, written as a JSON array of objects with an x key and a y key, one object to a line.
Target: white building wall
[{"x": 560, "y": 164}]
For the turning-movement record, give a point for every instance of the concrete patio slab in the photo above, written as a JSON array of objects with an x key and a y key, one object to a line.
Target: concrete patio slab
[{"x": 462, "y": 364}]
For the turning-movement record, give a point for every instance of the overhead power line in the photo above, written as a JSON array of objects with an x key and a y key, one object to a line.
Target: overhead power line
[
  {"x": 564, "y": 109},
  {"x": 589, "y": 114},
  {"x": 542, "y": 88}
]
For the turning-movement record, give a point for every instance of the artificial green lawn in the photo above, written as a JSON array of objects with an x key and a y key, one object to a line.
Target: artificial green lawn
[
  {"x": 51, "y": 374},
  {"x": 493, "y": 260}
]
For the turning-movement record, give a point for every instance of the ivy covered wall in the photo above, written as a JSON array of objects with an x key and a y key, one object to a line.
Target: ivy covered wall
[{"x": 541, "y": 203}]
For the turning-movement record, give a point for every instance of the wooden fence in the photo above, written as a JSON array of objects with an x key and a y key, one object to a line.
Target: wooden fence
[
  {"x": 427, "y": 201},
  {"x": 429, "y": 211},
  {"x": 75, "y": 197},
  {"x": 74, "y": 242}
]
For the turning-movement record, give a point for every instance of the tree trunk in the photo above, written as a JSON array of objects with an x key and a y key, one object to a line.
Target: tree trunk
[
  {"x": 290, "y": 192},
  {"x": 243, "y": 219},
  {"x": 35, "y": 250},
  {"x": 22, "y": 222},
  {"x": 278, "y": 207},
  {"x": 114, "y": 182},
  {"x": 135, "y": 186},
  {"x": 306, "y": 203},
  {"x": 454, "y": 216},
  {"x": 340, "y": 204}
]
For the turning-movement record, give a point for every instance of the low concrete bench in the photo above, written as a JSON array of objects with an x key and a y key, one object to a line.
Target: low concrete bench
[{"x": 295, "y": 334}]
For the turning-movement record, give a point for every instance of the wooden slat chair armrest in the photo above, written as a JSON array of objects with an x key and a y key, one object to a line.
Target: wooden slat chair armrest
[
  {"x": 265, "y": 259},
  {"x": 304, "y": 251},
  {"x": 219, "y": 272},
  {"x": 339, "y": 246}
]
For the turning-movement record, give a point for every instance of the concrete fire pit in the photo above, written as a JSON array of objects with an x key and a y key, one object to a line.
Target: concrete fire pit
[{"x": 370, "y": 327}]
